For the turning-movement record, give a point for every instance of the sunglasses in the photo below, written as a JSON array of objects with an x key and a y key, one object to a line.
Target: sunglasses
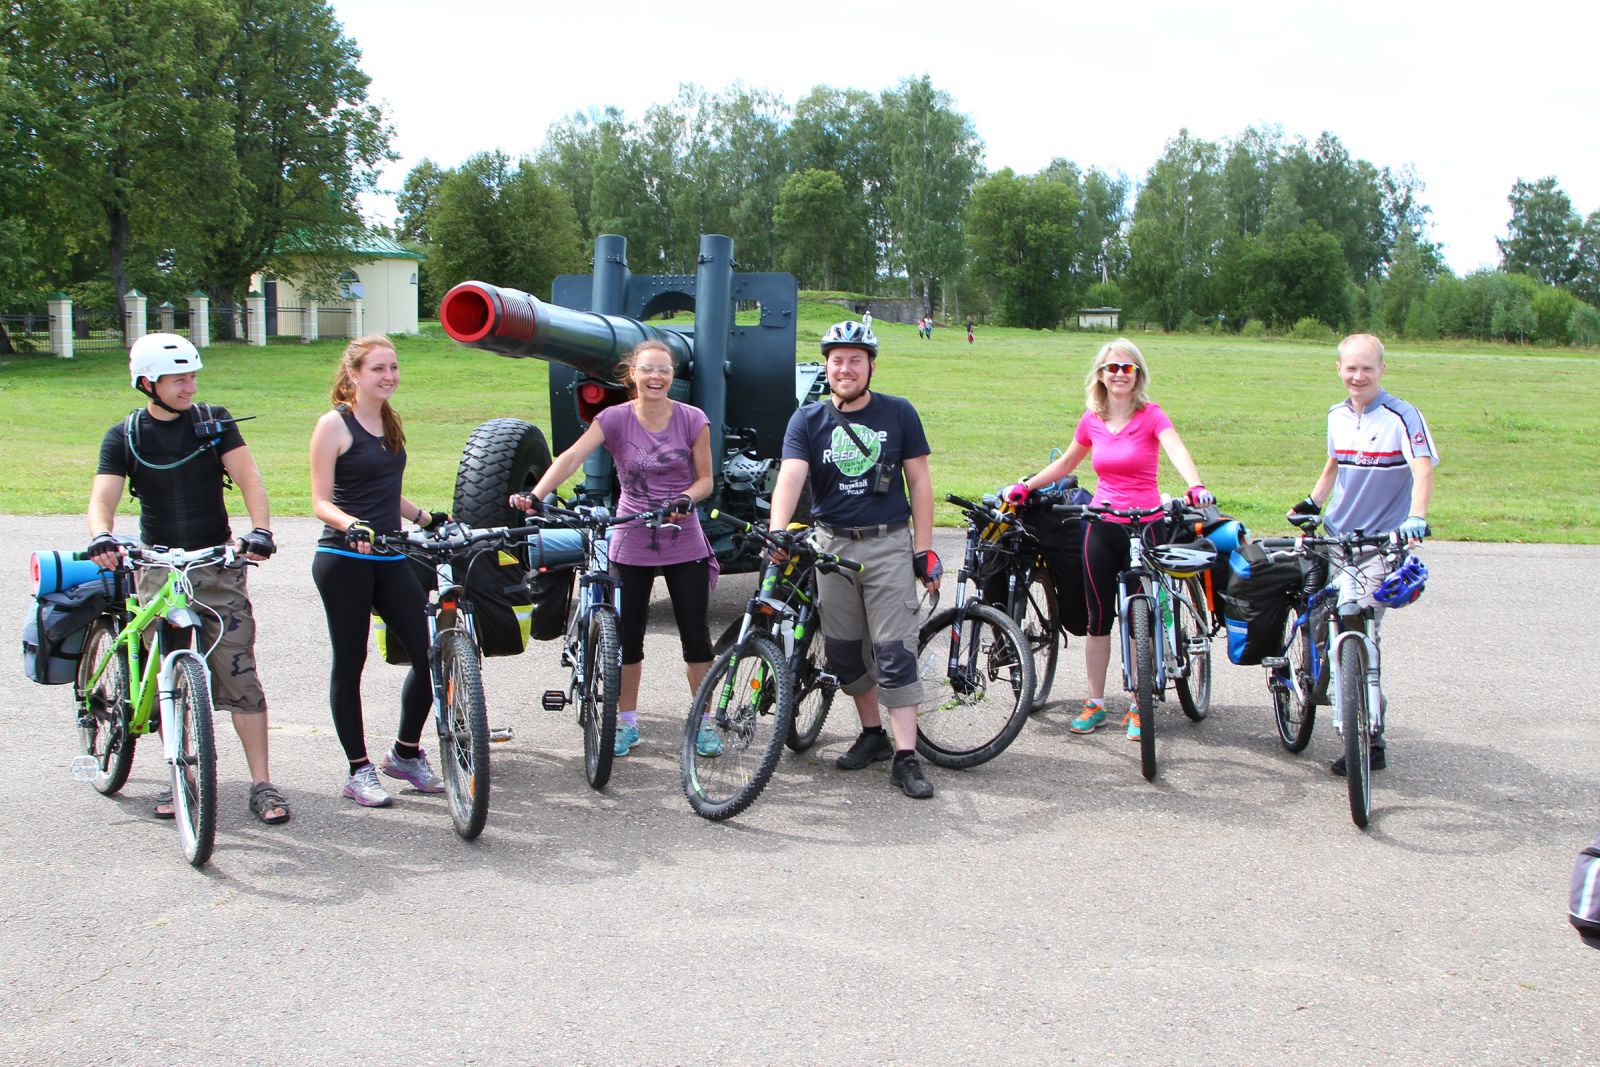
[
  {"x": 1120, "y": 368},
  {"x": 648, "y": 371}
]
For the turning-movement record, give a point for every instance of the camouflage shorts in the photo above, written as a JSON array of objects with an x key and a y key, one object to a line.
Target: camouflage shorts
[{"x": 234, "y": 682}]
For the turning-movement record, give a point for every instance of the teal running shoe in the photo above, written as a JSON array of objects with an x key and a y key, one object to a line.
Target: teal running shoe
[
  {"x": 627, "y": 737},
  {"x": 708, "y": 743},
  {"x": 1090, "y": 719}
]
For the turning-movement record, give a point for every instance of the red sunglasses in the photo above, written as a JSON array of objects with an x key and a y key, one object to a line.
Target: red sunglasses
[{"x": 1120, "y": 368}]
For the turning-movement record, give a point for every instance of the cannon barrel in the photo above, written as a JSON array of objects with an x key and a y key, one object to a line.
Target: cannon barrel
[{"x": 510, "y": 322}]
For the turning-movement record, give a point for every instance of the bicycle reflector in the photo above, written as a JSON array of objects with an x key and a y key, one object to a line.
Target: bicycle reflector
[{"x": 1404, "y": 585}]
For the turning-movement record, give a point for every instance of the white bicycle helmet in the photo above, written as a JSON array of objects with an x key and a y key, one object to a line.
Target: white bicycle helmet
[
  {"x": 850, "y": 333},
  {"x": 156, "y": 354},
  {"x": 1185, "y": 560}
]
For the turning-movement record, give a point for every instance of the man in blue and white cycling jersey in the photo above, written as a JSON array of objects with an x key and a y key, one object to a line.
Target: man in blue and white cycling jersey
[{"x": 1379, "y": 472}]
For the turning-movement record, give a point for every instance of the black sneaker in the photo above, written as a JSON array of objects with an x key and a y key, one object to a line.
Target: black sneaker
[
  {"x": 868, "y": 748},
  {"x": 1378, "y": 760},
  {"x": 908, "y": 776}
]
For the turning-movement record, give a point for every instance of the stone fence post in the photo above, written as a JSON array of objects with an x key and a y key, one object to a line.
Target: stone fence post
[
  {"x": 309, "y": 315},
  {"x": 134, "y": 310},
  {"x": 358, "y": 317},
  {"x": 256, "y": 318},
  {"x": 168, "y": 315},
  {"x": 200, "y": 319},
  {"x": 60, "y": 306}
]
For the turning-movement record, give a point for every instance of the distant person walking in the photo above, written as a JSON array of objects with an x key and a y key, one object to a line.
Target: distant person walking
[
  {"x": 969, "y": 329},
  {"x": 866, "y": 318}
]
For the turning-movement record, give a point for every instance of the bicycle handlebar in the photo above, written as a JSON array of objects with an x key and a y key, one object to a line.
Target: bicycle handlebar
[
  {"x": 451, "y": 538},
  {"x": 586, "y": 517},
  {"x": 175, "y": 558},
  {"x": 1279, "y": 549},
  {"x": 790, "y": 544}
]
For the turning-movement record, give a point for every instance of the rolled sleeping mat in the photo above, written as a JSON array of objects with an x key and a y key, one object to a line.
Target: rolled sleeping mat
[{"x": 51, "y": 571}]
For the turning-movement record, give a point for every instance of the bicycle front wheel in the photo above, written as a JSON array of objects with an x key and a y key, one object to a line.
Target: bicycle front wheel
[
  {"x": 973, "y": 709},
  {"x": 1041, "y": 625},
  {"x": 597, "y": 703},
  {"x": 194, "y": 776},
  {"x": 463, "y": 723},
  {"x": 1355, "y": 718},
  {"x": 736, "y": 729},
  {"x": 105, "y": 710},
  {"x": 1144, "y": 684},
  {"x": 814, "y": 690},
  {"x": 1294, "y": 691},
  {"x": 1193, "y": 626}
]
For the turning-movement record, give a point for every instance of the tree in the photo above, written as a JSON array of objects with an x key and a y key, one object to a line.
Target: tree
[
  {"x": 502, "y": 223},
  {"x": 302, "y": 140},
  {"x": 1281, "y": 278},
  {"x": 117, "y": 103},
  {"x": 1342, "y": 196},
  {"x": 416, "y": 198},
  {"x": 934, "y": 156},
  {"x": 1026, "y": 239},
  {"x": 1543, "y": 235},
  {"x": 813, "y": 225},
  {"x": 842, "y": 130},
  {"x": 1177, "y": 233}
]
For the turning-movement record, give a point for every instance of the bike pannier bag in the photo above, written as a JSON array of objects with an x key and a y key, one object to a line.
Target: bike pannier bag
[
  {"x": 1584, "y": 911},
  {"x": 1256, "y": 606},
  {"x": 552, "y": 601},
  {"x": 1061, "y": 545},
  {"x": 54, "y": 630},
  {"x": 502, "y": 604}
]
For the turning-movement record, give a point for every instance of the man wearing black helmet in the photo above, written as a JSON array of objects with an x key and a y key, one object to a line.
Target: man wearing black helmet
[
  {"x": 865, "y": 453},
  {"x": 177, "y": 454}
]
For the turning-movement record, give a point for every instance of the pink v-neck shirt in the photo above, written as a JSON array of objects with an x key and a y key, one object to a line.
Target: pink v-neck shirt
[{"x": 1125, "y": 462}]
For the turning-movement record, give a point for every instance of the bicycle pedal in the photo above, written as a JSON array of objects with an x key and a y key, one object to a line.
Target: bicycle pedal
[
  {"x": 84, "y": 768},
  {"x": 1273, "y": 663},
  {"x": 499, "y": 734},
  {"x": 554, "y": 700}
]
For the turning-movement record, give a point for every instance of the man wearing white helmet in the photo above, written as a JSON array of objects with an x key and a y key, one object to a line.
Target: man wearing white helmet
[
  {"x": 865, "y": 452},
  {"x": 176, "y": 455}
]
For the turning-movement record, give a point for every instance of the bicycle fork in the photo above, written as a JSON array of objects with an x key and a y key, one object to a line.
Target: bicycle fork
[{"x": 1373, "y": 680}]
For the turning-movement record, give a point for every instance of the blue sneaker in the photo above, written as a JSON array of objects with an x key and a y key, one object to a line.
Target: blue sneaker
[
  {"x": 709, "y": 742},
  {"x": 1090, "y": 719},
  {"x": 1132, "y": 719},
  {"x": 627, "y": 737}
]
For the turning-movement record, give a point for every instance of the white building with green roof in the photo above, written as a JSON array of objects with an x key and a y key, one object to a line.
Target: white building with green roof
[{"x": 377, "y": 294}]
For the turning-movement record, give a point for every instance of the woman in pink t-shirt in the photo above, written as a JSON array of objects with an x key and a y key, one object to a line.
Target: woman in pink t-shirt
[
  {"x": 1124, "y": 432},
  {"x": 662, "y": 451}
]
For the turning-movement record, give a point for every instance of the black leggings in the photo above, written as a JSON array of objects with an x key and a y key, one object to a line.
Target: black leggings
[
  {"x": 352, "y": 589},
  {"x": 688, "y": 584},
  {"x": 1105, "y": 555}
]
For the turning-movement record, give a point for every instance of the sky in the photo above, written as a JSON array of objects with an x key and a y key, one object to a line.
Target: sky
[{"x": 1474, "y": 96}]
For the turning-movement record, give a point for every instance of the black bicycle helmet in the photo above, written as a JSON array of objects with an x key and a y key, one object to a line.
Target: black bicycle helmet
[{"x": 851, "y": 333}]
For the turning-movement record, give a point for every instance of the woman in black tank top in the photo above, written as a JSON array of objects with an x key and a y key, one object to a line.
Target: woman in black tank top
[{"x": 358, "y": 458}]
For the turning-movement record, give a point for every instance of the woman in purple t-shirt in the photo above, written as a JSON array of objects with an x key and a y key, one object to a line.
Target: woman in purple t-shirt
[
  {"x": 1124, "y": 432},
  {"x": 662, "y": 450}
]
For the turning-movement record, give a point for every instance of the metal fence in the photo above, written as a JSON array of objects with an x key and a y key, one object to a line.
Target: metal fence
[
  {"x": 230, "y": 325},
  {"x": 334, "y": 322},
  {"x": 26, "y": 333},
  {"x": 94, "y": 330}
]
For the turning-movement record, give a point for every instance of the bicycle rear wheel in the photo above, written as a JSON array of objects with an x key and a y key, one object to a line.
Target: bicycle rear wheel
[
  {"x": 1355, "y": 719},
  {"x": 1294, "y": 698},
  {"x": 194, "y": 776},
  {"x": 1193, "y": 625},
  {"x": 1041, "y": 625},
  {"x": 747, "y": 702},
  {"x": 105, "y": 711},
  {"x": 814, "y": 690},
  {"x": 597, "y": 703},
  {"x": 463, "y": 723},
  {"x": 969, "y": 714},
  {"x": 1144, "y": 684}
]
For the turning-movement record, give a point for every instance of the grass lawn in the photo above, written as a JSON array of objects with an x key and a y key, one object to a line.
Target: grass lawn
[{"x": 1517, "y": 426}]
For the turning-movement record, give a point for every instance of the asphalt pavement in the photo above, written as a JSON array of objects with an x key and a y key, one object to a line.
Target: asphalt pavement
[{"x": 1048, "y": 906}]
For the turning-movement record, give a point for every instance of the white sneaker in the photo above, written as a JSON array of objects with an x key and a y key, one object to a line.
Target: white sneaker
[{"x": 365, "y": 789}]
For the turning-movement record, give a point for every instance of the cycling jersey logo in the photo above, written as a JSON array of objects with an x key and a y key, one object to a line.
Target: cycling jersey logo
[
  {"x": 1418, "y": 437},
  {"x": 843, "y": 453}
]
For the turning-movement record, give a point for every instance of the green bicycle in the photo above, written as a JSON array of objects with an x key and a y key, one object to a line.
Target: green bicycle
[{"x": 123, "y": 681}]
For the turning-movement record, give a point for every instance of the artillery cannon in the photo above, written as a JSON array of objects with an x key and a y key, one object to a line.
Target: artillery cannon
[{"x": 742, "y": 375}]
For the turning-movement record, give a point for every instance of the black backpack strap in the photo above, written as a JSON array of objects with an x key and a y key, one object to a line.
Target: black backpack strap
[{"x": 847, "y": 426}]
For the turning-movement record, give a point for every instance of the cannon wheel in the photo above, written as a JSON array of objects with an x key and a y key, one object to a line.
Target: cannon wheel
[{"x": 502, "y": 456}]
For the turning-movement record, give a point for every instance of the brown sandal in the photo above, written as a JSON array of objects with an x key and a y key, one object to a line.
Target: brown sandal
[
  {"x": 164, "y": 800},
  {"x": 264, "y": 799}
]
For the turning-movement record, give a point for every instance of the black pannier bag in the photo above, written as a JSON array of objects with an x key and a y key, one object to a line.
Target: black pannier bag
[
  {"x": 552, "y": 600},
  {"x": 1061, "y": 544},
  {"x": 502, "y": 604},
  {"x": 54, "y": 631},
  {"x": 1256, "y": 606}
]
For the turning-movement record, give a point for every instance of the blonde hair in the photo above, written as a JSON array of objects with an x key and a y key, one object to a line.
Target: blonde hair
[
  {"x": 624, "y": 370},
  {"x": 343, "y": 393},
  {"x": 1095, "y": 395},
  {"x": 1368, "y": 339}
]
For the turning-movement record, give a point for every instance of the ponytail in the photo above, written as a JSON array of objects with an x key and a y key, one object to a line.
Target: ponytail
[{"x": 343, "y": 393}]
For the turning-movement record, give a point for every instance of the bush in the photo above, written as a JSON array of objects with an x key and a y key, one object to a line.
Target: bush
[
  {"x": 1253, "y": 328},
  {"x": 1310, "y": 329},
  {"x": 1583, "y": 327}
]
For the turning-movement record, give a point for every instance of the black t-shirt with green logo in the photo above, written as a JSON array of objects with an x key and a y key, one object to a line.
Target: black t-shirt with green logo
[
  {"x": 841, "y": 477},
  {"x": 182, "y": 506}
]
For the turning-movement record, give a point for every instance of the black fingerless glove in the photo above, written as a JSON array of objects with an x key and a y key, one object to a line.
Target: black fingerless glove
[
  {"x": 683, "y": 505},
  {"x": 358, "y": 533},
  {"x": 102, "y": 544},
  {"x": 1306, "y": 507},
  {"x": 436, "y": 519},
  {"x": 926, "y": 566},
  {"x": 258, "y": 542}
]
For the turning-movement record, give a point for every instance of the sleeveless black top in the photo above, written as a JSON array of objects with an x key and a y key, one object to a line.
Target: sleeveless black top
[{"x": 366, "y": 482}]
